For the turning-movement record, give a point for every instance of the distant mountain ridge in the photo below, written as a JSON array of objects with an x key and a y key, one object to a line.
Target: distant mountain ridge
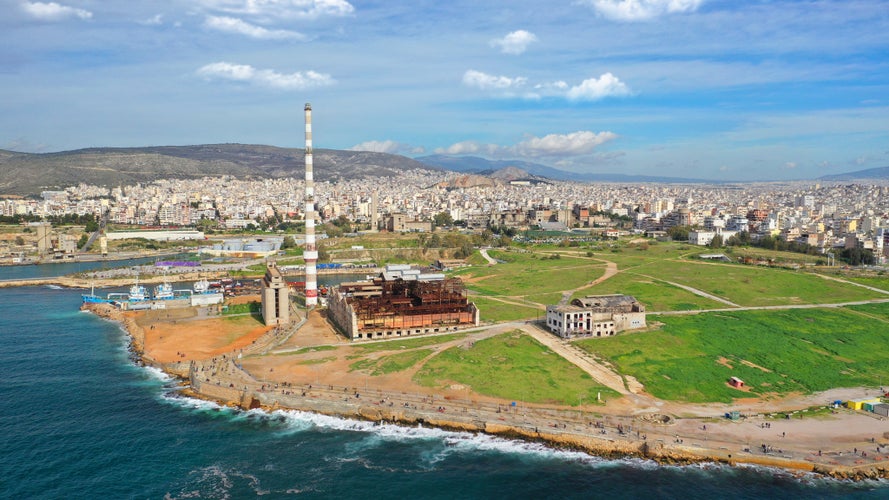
[
  {"x": 476, "y": 165},
  {"x": 31, "y": 173},
  {"x": 870, "y": 173}
]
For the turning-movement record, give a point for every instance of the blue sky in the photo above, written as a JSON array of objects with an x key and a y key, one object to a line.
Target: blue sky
[{"x": 716, "y": 89}]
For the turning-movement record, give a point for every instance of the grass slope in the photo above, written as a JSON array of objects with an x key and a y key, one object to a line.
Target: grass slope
[
  {"x": 806, "y": 351},
  {"x": 512, "y": 366}
]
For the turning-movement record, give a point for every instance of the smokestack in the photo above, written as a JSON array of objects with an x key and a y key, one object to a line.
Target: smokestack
[
  {"x": 311, "y": 252},
  {"x": 374, "y": 221}
]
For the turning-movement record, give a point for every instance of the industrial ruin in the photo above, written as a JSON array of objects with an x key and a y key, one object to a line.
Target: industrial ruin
[
  {"x": 596, "y": 316},
  {"x": 394, "y": 305}
]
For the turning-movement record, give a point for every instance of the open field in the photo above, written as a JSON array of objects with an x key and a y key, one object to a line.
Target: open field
[
  {"x": 512, "y": 366},
  {"x": 397, "y": 345},
  {"x": 525, "y": 274},
  {"x": 655, "y": 294},
  {"x": 774, "y": 352},
  {"x": 392, "y": 363},
  {"x": 881, "y": 282},
  {"x": 496, "y": 311},
  {"x": 876, "y": 310},
  {"x": 754, "y": 286},
  {"x": 736, "y": 253}
]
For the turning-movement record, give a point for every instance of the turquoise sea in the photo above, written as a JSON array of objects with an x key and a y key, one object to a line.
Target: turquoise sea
[{"x": 79, "y": 419}]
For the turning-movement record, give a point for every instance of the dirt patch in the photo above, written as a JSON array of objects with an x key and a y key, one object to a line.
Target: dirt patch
[
  {"x": 725, "y": 362},
  {"x": 168, "y": 339},
  {"x": 477, "y": 279},
  {"x": 754, "y": 365}
]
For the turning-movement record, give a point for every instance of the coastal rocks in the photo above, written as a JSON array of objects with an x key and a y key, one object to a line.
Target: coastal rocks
[
  {"x": 855, "y": 474},
  {"x": 656, "y": 418}
]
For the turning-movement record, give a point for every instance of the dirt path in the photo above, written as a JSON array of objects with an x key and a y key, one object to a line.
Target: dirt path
[
  {"x": 695, "y": 291},
  {"x": 610, "y": 270},
  {"x": 871, "y": 288},
  {"x": 484, "y": 253},
  {"x": 583, "y": 360}
]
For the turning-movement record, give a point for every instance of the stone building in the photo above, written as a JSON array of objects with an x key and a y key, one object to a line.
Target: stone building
[
  {"x": 596, "y": 316},
  {"x": 275, "y": 297}
]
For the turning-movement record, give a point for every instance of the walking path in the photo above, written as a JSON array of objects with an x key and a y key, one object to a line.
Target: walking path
[
  {"x": 583, "y": 360},
  {"x": 484, "y": 253}
]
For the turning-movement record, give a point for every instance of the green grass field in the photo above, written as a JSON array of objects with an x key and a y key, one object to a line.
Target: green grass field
[
  {"x": 880, "y": 311},
  {"x": 496, "y": 311},
  {"x": 252, "y": 307},
  {"x": 811, "y": 350},
  {"x": 525, "y": 274},
  {"x": 390, "y": 363},
  {"x": 655, "y": 294},
  {"x": 512, "y": 366},
  {"x": 881, "y": 282},
  {"x": 412, "y": 343},
  {"x": 755, "y": 286}
]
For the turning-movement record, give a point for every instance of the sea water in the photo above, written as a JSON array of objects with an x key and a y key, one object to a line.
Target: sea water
[{"x": 80, "y": 419}]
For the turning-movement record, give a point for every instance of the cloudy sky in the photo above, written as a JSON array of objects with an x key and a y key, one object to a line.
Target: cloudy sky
[{"x": 717, "y": 89}]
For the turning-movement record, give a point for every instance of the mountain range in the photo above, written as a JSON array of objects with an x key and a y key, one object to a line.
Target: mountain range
[
  {"x": 30, "y": 173},
  {"x": 867, "y": 174}
]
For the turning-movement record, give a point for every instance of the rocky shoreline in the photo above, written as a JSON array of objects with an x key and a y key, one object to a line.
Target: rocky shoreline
[{"x": 221, "y": 380}]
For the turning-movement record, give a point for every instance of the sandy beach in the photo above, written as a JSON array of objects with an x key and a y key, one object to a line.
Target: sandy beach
[{"x": 214, "y": 355}]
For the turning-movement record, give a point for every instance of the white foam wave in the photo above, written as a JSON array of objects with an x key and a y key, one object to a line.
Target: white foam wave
[
  {"x": 158, "y": 374},
  {"x": 455, "y": 442},
  {"x": 200, "y": 405},
  {"x": 54, "y": 287}
]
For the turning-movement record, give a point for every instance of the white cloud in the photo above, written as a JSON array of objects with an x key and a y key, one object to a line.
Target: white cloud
[
  {"x": 790, "y": 165},
  {"x": 640, "y": 10},
  {"x": 265, "y": 77},
  {"x": 52, "y": 11},
  {"x": 484, "y": 81},
  {"x": 386, "y": 146},
  {"x": 276, "y": 9},
  {"x": 466, "y": 148},
  {"x": 594, "y": 89},
  {"x": 515, "y": 42},
  {"x": 591, "y": 89},
  {"x": 154, "y": 21},
  {"x": 575, "y": 144},
  {"x": 239, "y": 27}
]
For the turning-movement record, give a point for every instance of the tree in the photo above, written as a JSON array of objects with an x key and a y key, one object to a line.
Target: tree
[
  {"x": 83, "y": 239},
  {"x": 679, "y": 233},
  {"x": 288, "y": 242},
  {"x": 716, "y": 242},
  {"x": 442, "y": 219},
  {"x": 19, "y": 241}
]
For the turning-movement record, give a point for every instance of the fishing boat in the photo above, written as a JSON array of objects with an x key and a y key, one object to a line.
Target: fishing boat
[
  {"x": 164, "y": 291},
  {"x": 137, "y": 293},
  {"x": 202, "y": 286},
  {"x": 92, "y": 298}
]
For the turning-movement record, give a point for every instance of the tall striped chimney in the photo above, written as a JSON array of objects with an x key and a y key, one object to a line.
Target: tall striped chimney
[{"x": 311, "y": 252}]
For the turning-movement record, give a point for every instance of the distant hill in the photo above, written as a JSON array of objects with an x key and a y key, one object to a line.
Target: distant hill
[
  {"x": 881, "y": 173},
  {"x": 476, "y": 165},
  {"x": 28, "y": 173}
]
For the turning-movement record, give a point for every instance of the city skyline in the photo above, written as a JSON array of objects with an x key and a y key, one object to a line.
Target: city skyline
[{"x": 687, "y": 88}]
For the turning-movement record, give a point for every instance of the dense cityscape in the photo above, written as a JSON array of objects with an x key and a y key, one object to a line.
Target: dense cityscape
[{"x": 826, "y": 218}]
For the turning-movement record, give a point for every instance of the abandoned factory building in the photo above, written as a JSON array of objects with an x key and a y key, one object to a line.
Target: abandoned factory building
[{"x": 395, "y": 305}]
